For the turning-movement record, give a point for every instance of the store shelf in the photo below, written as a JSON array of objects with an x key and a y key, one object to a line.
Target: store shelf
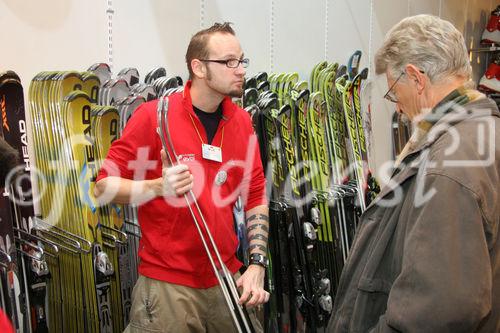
[{"x": 491, "y": 48}]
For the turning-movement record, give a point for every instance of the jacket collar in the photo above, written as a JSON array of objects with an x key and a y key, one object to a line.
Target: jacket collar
[
  {"x": 479, "y": 108},
  {"x": 409, "y": 165}
]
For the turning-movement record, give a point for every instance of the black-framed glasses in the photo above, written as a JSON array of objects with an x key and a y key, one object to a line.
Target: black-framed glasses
[
  {"x": 389, "y": 95},
  {"x": 231, "y": 63}
]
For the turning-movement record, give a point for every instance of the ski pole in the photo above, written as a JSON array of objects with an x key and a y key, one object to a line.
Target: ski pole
[{"x": 224, "y": 277}]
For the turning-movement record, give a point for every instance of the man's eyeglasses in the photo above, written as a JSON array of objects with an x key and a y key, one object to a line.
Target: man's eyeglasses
[
  {"x": 231, "y": 63},
  {"x": 389, "y": 95}
]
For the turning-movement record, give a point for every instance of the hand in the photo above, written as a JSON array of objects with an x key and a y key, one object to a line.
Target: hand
[
  {"x": 252, "y": 283},
  {"x": 177, "y": 179}
]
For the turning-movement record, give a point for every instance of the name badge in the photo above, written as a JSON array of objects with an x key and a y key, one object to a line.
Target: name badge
[{"x": 211, "y": 153}]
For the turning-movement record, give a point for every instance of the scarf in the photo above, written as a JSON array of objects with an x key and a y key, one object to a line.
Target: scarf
[{"x": 459, "y": 96}]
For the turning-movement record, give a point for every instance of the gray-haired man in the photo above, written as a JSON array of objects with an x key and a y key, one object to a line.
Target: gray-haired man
[{"x": 425, "y": 258}]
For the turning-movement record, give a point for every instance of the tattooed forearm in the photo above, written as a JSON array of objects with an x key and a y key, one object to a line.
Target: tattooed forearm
[
  {"x": 259, "y": 237},
  {"x": 258, "y": 225},
  {"x": 257, "y": 246},
  {"x": 257, "y": 233},
  {"x": 258, "y": 217}
]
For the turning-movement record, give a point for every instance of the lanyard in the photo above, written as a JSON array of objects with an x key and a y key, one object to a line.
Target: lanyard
[{"x": 199, "y": 135}]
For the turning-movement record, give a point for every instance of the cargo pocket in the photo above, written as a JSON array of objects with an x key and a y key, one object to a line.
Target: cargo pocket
[
  {"x": 145, "y": 307},
  {"x": 370, "y": 304}
]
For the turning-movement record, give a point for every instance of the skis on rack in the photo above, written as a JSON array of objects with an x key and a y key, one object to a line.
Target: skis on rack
[
  {"x": 64, "y": 154},
  {"x": 32, "y": 268},
  {"x": 105, "y": 130},
  {"x": 282, "y": 310},
  {"x": 313, "y": 143}
]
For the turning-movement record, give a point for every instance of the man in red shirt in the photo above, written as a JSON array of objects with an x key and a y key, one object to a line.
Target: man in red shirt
[{"x": 177, "y": 289}]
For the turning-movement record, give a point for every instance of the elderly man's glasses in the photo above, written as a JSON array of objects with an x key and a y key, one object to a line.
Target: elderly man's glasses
[
  {"x": 389, "y": 95},
  {"x": 231, "y": 63}
]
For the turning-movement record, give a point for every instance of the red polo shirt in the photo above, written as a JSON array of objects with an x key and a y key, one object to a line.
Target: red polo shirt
[
  {"x": 5, "y": 325},
  {"x": 170, "y": 248}
]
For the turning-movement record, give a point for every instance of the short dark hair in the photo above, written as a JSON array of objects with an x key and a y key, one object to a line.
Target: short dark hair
[
  {"x": 197, "y": 48},
  {"x": 8, "y": 160}
]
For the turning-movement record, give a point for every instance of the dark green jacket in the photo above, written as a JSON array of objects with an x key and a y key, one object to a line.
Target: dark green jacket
[{"x": 426, "y": 255}]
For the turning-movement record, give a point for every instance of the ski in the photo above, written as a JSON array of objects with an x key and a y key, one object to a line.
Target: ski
[
  {"x": 9, "y": 268},
  {"x": 32, "y": 269},
  {"x": 283, "y": 315},
  {"x": 105, "y": 130}
]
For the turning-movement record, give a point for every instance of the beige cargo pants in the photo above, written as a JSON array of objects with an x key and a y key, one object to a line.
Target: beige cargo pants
[{"x": 159, "y": 306}]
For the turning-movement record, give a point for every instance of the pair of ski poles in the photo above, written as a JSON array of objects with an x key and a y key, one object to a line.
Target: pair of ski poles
[{"x": 223, "y": 275}]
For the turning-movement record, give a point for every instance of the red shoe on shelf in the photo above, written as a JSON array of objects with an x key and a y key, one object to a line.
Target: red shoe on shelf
[
  {"x": 490, "y": 82},
  {"x": 491, "y": 34}
]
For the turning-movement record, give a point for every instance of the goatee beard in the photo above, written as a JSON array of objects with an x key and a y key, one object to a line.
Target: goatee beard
[{"x": 237, "y": 93}]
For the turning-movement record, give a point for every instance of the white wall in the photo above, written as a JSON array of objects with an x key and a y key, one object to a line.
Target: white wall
[
  {"x": 51, "y": 35},
  {"x": 279, "y": 35}
]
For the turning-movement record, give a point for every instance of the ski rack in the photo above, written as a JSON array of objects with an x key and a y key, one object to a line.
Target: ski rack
[
  {"x": 55, "y": 231},
  {"x": 26, "y": 246},
  {"x": 33, "y": 237},
  {"x": 336, "y": 192},
  {"x": 39, "y": 253},
  {"x": 137, "y": 230},
  {"x": 122, "y": 239},
  {"x": 38, "y": 266},
  {"x": 6, "y": 256},
  {"x": 224, "y": 276},
  {"x": 4, "y": 267},
  {"x": 491, "y": 48},
  {"x": 71, "y": 243}
]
